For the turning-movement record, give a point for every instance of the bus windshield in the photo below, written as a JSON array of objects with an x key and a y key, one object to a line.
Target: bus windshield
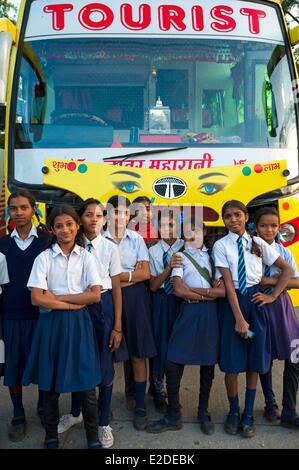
[{"x": 90, "y": 93}]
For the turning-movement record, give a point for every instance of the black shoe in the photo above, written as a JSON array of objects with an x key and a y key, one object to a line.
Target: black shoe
[
  {"x": 271, "y": 414},
  {"x": 231, "y": 425},
  {"x": 206, "y": 424},
  {"x": 94, "y": 445},
  {"x": 290, "y": 422},
  {"x": 164, "y": 424},
  {"x": 247, "y": 430},
  {"x": 17, "y": 429},
  {"x": 160, "y": 403},
  {"x": 140, "y": 420},
  {"x": 51, "y": 444}
]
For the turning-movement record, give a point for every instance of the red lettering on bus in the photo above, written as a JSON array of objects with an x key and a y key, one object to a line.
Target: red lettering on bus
[
  {"x": 126, "y": 17},
  {"x": 171, "y": 15},
  {"x": 197, "y": 18},
  {"x": 225, "y": 23},
  {"x": 87, "y": 22},
  {"x": 253, "y": 18},
  {"x": 58, "y": 11}
]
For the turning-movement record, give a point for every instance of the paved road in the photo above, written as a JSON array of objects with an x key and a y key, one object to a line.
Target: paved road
[{"x": 269, "y": 436}]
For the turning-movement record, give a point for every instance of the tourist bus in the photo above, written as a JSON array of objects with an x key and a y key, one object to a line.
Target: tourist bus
[{"x": 187, "y": 103}]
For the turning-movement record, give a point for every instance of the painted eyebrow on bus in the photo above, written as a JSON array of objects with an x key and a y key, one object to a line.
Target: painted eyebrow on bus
[
  {"x": 130, "y": 173},
  {"x": 211, "y": 174}
]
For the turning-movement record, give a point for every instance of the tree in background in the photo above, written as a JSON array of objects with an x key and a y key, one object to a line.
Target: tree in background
[
  {"x": 7, "y": 9},
  {"x": 291, "y": 9}
]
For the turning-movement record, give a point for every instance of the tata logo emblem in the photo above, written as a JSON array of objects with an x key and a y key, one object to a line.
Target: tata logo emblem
[{"x": 170, "y": 187}]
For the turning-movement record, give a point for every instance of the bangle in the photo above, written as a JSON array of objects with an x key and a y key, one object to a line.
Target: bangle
[
  {"x": 208, "y": 292},
  {"x": 202, "y": 298},
  {"x": 130, "y": 276},
  {"x": 117, "y": 331}
]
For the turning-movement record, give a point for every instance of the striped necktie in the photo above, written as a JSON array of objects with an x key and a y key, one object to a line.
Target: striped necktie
[
  {"x": 167, "y": 283},
  {"x": 241, "y": 267},
  {"x": 89, "y": 246},
  {"x": 267, "y": 271}
]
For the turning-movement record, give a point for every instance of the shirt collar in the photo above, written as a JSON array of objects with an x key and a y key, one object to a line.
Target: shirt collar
[
  {"x": 32, "y": 233},
  {"x": 127, "y": 233},
  {"x": 199, "y": 251},
  {"x": 234, "y": 236},
  {"x": 95, "y": 242},
  {"x": 177, "y": 244},
  {"x": 56, "y": 250}
]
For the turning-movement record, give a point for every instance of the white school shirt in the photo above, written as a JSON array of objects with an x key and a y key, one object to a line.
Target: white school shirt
[
  {"x": 23, "y": 244},
  {"x": 156, "y": 255},
  {"x": 4, "y": 278},
  {"x": 188, "y": 272},
  {"x": 287, "y": 256},
  {"x": 225, "y": 254},
  {"x": 107, "y": 259},
  {"x": 132, "y": 249},
  {"x": 53, "y": 271}
]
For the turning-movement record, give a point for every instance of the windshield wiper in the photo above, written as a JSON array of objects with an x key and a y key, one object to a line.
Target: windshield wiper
[{"x": 145, "y": 152}]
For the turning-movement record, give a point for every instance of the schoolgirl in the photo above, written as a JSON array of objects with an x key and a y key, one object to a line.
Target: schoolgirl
[
  {"x": 239, "y": 258},
  {"x": 141, "y": 221},
  {"x": 106, "y": 317},
  {"x": 64, "y": 355},
  {"x": 4, "y": 279},
  {"x": 195, "y": 333},
  {"x": 19, "y": 317},
  {"x": 137, "y": 321},
  {"x": 284, "y": 325},
  {"x": 165, "y": 305}
]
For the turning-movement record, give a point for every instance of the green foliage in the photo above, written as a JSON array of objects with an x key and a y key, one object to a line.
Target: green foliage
[{"x": 7, "y": 9}]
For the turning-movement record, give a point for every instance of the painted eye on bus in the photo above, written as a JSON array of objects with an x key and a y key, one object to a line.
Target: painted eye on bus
[
  {"x": 209, "y": 189},
  {"x": 128, "y": 187}
]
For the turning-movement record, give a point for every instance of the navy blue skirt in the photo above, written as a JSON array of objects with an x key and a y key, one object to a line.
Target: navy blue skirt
[
  {"x": 102, "y": 315},
  {"x": 137, "y": 321},
  {"x": 165, "y": 310},
  {"x": 195, "y": 335},
  {"x": 284, "y": 326},
  {"x": 238, "y": 354},
  {"x": 17, "y": 337},
  {"x": 64, "y": 356}
]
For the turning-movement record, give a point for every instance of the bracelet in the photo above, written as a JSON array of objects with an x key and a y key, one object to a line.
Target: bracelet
[
  {"x": 130, "y": 276},
  {"x": 117, "y": 331},
  {"x": 208, "y": 292}
]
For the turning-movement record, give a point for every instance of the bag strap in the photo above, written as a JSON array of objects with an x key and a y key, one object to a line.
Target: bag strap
[{"x": 202, "y": 271}]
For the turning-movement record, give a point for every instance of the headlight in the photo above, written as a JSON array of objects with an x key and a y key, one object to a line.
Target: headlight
[{"x": 287, "y": 233}]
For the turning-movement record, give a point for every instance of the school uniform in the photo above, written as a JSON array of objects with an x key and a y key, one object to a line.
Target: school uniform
[
  {"x": 239, "y": 354},
  {"x": 283, "y": 320},
  {"x": 284, "y": 328},
  {"x": 195, "y": 334},
  {"x": 194, "y": 337},
  {"x": 137, "y": 320},
  {"x": 165, "y": 305},
  {"x": 107, "y": 258},
  {"x": 19, "y": 317},
  {"x": 4, "y": 279},
  {"x": 63, "y": 356}
]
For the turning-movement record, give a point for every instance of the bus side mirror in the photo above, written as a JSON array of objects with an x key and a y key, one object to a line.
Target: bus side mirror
[{"x": 294, "y": 36}]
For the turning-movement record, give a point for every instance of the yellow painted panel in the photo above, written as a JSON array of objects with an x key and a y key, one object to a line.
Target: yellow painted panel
[{"x": 209, "y": 187}]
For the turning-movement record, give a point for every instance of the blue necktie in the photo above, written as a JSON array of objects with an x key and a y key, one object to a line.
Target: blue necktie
[
  {"x": 267, "y": 274},
  {"x": 241, "y": 267},
  {"x": 167, "y": 283},
  {"x": 89, "y": 246}
]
